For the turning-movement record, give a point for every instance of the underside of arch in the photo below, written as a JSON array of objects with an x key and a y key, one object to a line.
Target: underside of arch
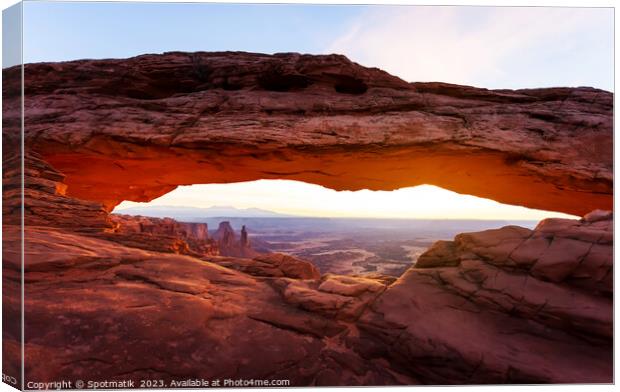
[{"x": 134, "y": 129}]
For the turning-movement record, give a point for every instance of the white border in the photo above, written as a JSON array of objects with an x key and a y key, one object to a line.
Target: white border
[{"x": 540, "y": 3}]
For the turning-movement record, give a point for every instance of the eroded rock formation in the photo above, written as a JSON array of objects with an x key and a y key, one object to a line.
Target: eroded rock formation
[
  {"x": 111, "y": 126},
  {"x": 162, "y": 235},
  {"x": 99, "y": 310},
  {"x": 507, "y": 305},
  {"x": 476, "y": 314},
  {"x": 272, "y": 265},
  {"x": 45, "y": 201},
  {"x": 230, "y": 244}
]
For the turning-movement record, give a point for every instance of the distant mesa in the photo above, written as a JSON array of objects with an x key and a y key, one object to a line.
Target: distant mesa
[
  {"x": 225, "y": 234},
  {"x": 161, "y": 235},
  {"x": 192, "y": 213},
  {"x": 231, "y": 245}
]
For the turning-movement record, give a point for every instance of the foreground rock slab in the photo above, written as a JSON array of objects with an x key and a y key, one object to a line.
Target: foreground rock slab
[
  {"x": 98, "y": 310},
  {"x": 479, "y": 309},
  {"x": 503, "y": 306},
  {"x": 270, "y": 265}
]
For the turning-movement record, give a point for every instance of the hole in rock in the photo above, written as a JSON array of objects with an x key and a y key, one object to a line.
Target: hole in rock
[
  {"x": 350, "y": 85},
  {"x": 344, "y": 232},
  {"x": 283, "y": 82}
]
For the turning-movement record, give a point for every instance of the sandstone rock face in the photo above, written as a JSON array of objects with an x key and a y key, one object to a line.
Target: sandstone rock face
[
  {"x": 558, "y": 250},
  {"x": 506, "y": 305},
  {"x": 168, "y": 235},
  {"x": 162, "y": 235},
  {"x": 272, "y": 265},
  {"x": 161, "y": 226},
  {"x": 45, "y": 200},
  {"x": 225, "y": 235},
  {"x": 100, "y": 310},
  {"x": 111, "y": 125},
  {"x": 107, "y": 298},
  {"x": 11, "y": 253},
  {"x": 244, "y": 241},
  {"x": 230, "y": 245},
  {"x": 334, "y": 296}
]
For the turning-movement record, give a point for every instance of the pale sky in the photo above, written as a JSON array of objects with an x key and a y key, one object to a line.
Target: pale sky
[
  {"x": 299, "y": 198},
  {"x": 492, "y": 47}
]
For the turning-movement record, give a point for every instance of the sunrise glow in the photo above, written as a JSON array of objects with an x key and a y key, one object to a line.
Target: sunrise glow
[{"x": 302, "y": 199}]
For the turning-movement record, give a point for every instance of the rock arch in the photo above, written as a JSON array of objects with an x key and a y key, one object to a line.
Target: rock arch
[
  {"x": 506, "y": 305},
  {"x": 134, "y": 129}
]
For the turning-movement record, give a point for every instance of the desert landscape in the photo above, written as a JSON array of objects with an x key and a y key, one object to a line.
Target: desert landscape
[
  {"x": 346, "y": 246},
  {"x": 114, "y": 296}
]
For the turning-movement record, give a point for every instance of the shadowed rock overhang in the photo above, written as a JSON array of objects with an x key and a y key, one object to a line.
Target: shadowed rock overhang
[{"x": 134, "y": 129}]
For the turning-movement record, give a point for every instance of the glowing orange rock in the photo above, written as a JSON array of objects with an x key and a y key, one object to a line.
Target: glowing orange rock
[{"x": 135, "y": 129}]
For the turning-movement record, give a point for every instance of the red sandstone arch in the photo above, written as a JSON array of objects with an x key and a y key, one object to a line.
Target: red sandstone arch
[{"x": 135, "y": 129}]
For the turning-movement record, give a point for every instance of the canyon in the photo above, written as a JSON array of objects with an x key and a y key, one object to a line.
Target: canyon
[
  {"x": 168, "y": 235},
  {"x": 117, "y": 297}
]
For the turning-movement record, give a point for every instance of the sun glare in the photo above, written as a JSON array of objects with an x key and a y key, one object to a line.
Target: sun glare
[{"x": 303, "y": 199}]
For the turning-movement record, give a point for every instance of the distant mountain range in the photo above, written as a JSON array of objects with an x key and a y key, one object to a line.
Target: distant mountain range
[{"x": 194, "y": 213}]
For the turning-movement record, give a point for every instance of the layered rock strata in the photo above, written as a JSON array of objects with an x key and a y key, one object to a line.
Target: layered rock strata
[
  {"x": 98, "y": 310},
  {"x": 163, "y": 235},
  {"x": 508, "y": 305},
  {"x": 230, "y": 244},
  {"x": 271, "y": 265},
  {"x": 476, "y": 315},
  {"x": 111, "y": 125},
  {"x": 45, "y": 202}
]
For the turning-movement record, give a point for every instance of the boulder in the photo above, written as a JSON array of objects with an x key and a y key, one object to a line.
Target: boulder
[
  {"x": 333, "y": 296},
  {"x": 271, "y": 265}
]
